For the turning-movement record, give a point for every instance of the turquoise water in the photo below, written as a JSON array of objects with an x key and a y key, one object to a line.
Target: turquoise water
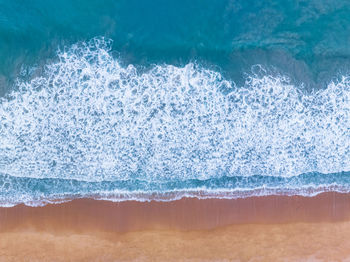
[
  {"x": 157, "y": 100},
  {"x": 308, "y": 40}
]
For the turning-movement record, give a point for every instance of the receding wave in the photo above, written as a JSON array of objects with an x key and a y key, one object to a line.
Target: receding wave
[
  {"x": 88, "y": 120},
  {"x": 35, "y": 191}
]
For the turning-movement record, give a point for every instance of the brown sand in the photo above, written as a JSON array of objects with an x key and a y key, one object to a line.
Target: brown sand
[{"x": 275, "y": 228}]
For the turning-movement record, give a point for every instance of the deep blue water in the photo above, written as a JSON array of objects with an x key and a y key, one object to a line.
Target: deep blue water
[{"x": 164, "y": 99}]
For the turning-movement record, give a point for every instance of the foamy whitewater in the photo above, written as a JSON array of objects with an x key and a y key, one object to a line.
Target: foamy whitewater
[{"x": 89, "y": 127}]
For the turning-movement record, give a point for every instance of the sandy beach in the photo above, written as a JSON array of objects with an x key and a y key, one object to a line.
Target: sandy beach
[{"x": 274, "y": 228}]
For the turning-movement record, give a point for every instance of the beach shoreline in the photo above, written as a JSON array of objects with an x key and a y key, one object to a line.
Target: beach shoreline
[
  {"x": 249, "y": 229},
  {"x": 183, "y": 214}
]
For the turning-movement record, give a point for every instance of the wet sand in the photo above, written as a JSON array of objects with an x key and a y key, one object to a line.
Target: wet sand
[{"x": 274, "y": 228}]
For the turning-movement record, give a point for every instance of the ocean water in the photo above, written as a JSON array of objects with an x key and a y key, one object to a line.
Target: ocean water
[{"x": 159, "y": 100}]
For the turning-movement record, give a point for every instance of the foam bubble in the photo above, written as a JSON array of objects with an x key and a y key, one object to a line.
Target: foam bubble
[{"x": 91, "y": 119}]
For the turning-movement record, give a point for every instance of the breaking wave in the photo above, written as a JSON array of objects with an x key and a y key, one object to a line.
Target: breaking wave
[{"x": 89, "y": 119}]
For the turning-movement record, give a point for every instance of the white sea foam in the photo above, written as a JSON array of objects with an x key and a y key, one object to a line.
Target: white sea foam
[
  {"x": 89, "y": 118},
  {"x": 172, "y": 195}
]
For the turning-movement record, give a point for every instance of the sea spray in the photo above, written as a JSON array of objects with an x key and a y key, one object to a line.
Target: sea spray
[{"x": 90, "y": 120}]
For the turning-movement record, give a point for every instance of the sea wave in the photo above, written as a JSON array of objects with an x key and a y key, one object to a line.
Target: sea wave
[{"x": 87, "y": 118}]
